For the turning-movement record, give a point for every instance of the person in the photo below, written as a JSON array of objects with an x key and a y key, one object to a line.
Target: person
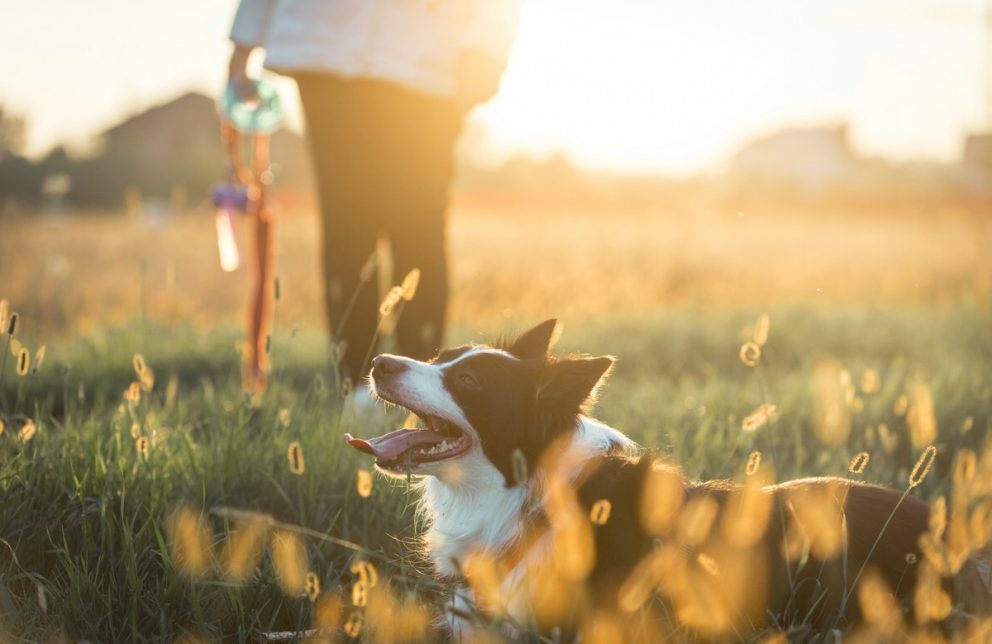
[{"x": 385, "y": 86}]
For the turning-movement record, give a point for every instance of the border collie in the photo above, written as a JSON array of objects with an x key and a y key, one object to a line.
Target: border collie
[{"x": 553, "y": 517}]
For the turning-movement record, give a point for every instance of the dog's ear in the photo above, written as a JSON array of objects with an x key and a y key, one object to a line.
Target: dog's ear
[
  {"x": 534, "y": 344},
  {"x": 568, "y": 386}
]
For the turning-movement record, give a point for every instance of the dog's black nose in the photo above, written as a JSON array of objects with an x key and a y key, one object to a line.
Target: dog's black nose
[{"x": 383, "y": 366}]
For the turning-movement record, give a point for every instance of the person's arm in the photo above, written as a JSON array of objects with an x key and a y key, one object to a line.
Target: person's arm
[
  {"x": 485, "y": 48},
  {"x": 251, "y": 24}
]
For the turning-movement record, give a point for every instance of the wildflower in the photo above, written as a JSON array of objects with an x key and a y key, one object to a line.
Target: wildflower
[
  {"x": 923, "y": 466},
  {"x": 760, "y": 335},
  {"x": 859, "y": 463},
  {"x": 750, "y": 354},
  {"x": 189, "y": 541},
  {"x": 758, "y": 418},
  {"x": 600, "y": 512},
  {"x": 23, "y": 361},
  {"x": 289, "y": 558},
  {"x": 312, "y": 583},
  {"x": 27, "y": 431},
  {"x": 364, "y": 483},
  {"x": 870, "y": 382},
  {"x": 295, "y": 455},
  {"x": 753, "y": 462},
  {"x": 409, "y": 285}
]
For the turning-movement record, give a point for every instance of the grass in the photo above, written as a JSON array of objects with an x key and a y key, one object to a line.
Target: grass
[{"x": 83, "y": 514}]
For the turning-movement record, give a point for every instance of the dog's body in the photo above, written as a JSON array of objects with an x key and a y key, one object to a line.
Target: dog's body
[{"x": 523, "y": 491}]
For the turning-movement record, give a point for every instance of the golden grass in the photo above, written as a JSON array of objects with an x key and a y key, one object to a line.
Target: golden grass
[{"x": 520, "y": 264}]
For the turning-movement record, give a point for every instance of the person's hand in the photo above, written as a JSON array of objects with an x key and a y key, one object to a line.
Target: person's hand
[
  {"x": 237, "y": 72},
  {"x": 477, "y": 77}
]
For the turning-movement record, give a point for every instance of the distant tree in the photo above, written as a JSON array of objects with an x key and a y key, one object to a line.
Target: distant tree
[{"x": 12, "y": 129}]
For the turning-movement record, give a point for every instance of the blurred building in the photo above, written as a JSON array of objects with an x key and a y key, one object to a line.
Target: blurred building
[{"x": 810, "y": 160}]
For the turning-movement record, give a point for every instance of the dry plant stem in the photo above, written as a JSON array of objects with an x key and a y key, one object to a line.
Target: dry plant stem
[{"x": 3, "y": 368}]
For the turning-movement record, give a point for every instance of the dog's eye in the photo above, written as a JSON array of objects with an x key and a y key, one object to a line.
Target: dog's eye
[{"x": 466, "y": 379}]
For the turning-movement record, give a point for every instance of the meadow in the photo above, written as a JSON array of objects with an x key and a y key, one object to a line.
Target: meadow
[{"x": 175, "y": 508}]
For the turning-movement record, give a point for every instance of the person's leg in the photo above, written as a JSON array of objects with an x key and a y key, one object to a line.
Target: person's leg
[
  {"x": 339, "y": 130},
  {"x": 418, "y": 170}
]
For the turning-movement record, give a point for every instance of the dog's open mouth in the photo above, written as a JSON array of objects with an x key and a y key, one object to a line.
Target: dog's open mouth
[{"x": 405, "y": 448}]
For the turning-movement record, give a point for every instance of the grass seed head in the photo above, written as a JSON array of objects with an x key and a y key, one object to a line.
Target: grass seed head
[
  {"x": 920, "y": 417},
  {"x": 4, "y": 312},
  {"x": 312, "y": 586},
  {"x": 12, "y": 324},
  {"x": 295, "y": 455},
  {"x": 283, "y": 417},
  {"x": 750, "y": 353},
  {"x": 661, "y": 500},
  {"x": 859, "y": 463},
  {"x": 243, "y": 548},
  {"x": 389, "y": 302},
  {"x": 289, "y": 558},
  {"x": 138, "y": 362},
  {"x": 189, "y": 541},
  {"x": 359, "y": 594},
  {"x": 758, "y": 418},
  {"x": 938, "y": 517},
  {"x": 870, "y": 382},
  {"x": 132, "y": 395},
  {"x": 23, "y": 362},
  {"x": 967, "y": 424},
  {"x": 900, "y": 406},
  {"x": 761, "y": 326},
  {"x": 409, "y": 285},
  {"x": 366, "y": 572},
  {"x": 141, "y": 446},
  {"x": 833, "y": 396},
  {"x": 39, "y": 359},
  {"x": 363, "y": 483},
  {"x": 753, "y": 463},
  {"x": 708, "y": 564},
  {"x": 599, "y": 514},
  {"x": 1, "y": 427},
  {"x": 353, "y": 627},
  {"x": 27, "y": 431},
  {"x": 922, "y": 467}
]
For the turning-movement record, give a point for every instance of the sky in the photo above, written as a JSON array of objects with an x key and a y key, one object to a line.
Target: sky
[{"x": 621, "y": 85}]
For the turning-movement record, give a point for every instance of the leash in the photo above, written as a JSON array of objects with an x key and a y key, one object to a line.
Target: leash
[{"x": 248, "y": 116}]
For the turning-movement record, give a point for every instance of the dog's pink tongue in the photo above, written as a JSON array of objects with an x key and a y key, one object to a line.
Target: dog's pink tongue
[{"x": 391, "y": 446}]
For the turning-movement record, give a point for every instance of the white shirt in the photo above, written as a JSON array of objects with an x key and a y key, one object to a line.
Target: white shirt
[{"x": 414, "y": 43}]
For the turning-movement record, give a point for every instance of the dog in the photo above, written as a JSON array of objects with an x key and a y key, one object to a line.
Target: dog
[{"x": 553, "y": 520}]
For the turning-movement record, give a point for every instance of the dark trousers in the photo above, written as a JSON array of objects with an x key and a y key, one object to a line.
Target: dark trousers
[{"x": 383, "y": 159}]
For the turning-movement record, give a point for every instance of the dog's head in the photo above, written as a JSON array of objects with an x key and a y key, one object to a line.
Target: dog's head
[{"x": 480, "y": 402}]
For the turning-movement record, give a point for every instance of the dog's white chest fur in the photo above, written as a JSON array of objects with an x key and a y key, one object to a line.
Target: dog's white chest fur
[{"x": 473, "y": 511}]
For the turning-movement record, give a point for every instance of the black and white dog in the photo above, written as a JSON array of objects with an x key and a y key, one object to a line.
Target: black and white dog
[{"x": 507, "y": 449}]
